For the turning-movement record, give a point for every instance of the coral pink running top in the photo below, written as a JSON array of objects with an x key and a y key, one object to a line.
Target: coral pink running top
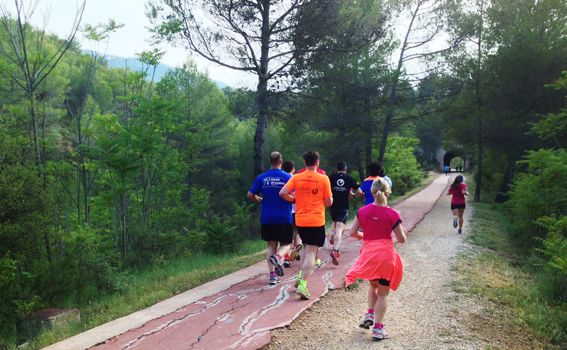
[{"x": 378, "y": 222}]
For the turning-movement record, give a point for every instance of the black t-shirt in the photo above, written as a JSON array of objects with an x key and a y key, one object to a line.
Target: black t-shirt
[{"x": 341, "y": 184}]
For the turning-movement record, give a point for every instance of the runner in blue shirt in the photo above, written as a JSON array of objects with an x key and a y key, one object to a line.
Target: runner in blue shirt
[
  {"x": 276, "y": 214},
  {"x": 374, "y": 171}
]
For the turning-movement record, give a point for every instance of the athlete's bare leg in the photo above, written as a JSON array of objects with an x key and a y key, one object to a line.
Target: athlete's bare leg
[
  {"x": 273, "y": 249},
  {"x": 378, "y": 300},
  {"x": 338, "y": 234},
  {"x": 308, "y": 260},
  {"x": 460, "y": 213}
]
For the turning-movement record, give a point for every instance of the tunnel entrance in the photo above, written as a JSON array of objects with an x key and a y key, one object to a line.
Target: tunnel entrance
[{"x": 455, "y": 161}]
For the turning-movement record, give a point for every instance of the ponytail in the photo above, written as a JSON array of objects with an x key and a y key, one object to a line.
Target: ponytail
[
  {"x": 456, "y": 185},
  {"x": 379, "y": 190}
]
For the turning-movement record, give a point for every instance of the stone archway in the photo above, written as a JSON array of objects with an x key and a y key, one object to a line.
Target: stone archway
[{"x": 444, "y": 158}]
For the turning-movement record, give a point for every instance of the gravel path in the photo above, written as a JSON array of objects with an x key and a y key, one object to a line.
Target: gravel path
[{"x": 424, "y": 313}]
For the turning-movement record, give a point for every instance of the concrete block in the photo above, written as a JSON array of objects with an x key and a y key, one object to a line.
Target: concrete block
[{"x": 55, "y": 317}]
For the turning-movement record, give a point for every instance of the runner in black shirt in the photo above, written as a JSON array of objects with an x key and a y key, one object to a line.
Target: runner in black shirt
[{"x": 342, "y": 186}]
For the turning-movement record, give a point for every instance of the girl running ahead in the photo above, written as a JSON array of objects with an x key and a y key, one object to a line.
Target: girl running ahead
[
  {"x": 378, "y": 262},
  {"x": 459, "y": 190}
]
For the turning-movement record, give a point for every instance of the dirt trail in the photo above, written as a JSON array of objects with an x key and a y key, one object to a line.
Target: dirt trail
[{"x": 424, "y": 313}]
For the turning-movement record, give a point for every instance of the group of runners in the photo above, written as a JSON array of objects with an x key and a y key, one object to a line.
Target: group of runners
[{"x": 293, "y": 210}]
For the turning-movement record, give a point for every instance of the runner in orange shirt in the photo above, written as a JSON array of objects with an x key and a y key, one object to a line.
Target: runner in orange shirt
[{"x": 312, "y": 193}]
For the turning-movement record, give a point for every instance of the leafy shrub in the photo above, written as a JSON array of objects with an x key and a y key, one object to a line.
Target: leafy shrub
[
  {"x": 540, "y": 191},
  {"x": 554, "y": 253},
  {"x": 401, "y": 164}
]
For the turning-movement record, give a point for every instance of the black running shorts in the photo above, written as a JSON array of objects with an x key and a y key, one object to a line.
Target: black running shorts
[
  {"x": 277, "y": 232},
  {"x": 312, "y": 235},
  {"x": 339, "y": 215},
  {"x": 383, "y": 282},
  {"x": 457, "y": 206}
]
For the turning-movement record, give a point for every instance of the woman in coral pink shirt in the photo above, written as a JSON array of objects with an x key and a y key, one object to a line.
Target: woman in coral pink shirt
[
  {"x": 459, "y": 190},
  {"x": 378, "y": 262}
]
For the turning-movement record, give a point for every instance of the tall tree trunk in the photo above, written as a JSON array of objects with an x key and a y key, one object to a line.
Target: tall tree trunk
[
  {"x": 359, "y": 165},
  {"x": 501, "y": 197},
  {"x": 35, "y": 135},
  {"x": 480, "y": 111},
  {"x": 342, "y": 124},
  {"x": 479, "y": 163},
  {"x": 395, "y": 87},
  {"x": 260, "y": 135},
  {"x": 367, "y": 127},
  {"x": 78, "y": 195}
]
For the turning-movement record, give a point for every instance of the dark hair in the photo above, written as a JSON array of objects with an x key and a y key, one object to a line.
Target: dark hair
[
  {"x": 288, "y": 166},
  {"x": 457, "y": 183},
  {"x": 275, "y": 157},
  {"x": 311, "y": 158},
  {"x": 374, "y": 168},
  {"x": 341, "y": 165}
]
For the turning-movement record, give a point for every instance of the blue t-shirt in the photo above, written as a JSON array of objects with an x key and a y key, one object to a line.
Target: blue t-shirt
[
  {"x": 275, "y": 209},
  {"x": 367, "y": 185}
]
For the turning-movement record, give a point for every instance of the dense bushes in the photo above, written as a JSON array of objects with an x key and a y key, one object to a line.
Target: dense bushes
[
  {"x": 401, "y": 164},
  {"x": 538, "y": 202},
  {"x": 539, "y": 191},
  {"x": 132, "y": 182}
]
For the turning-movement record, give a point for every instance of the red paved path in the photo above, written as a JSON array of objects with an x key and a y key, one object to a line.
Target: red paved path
[{"x": 242, "y": 316}]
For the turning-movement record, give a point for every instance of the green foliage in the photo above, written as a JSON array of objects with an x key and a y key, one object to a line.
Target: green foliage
[
  {"x": 403, "y": 168},
  {"x": 540, "y": 191},
  {"x": 554, "y": 252},
  {"x": 553, "y": 127},
  {"x": 505, "y": 275}
]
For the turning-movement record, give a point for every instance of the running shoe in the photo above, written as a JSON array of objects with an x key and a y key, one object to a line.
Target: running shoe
[
  {"x": 298, "y": 257},
  {"x": 302, "y": 291},
  {"x": 460, "y": 231},
  {"x": 295, "y": 252},
  {"x": 298, "y": 280},
  {"x": 318, "y": 263},
  {"x": 455, "y": 222},
  {"x": 367, "y": 322},
  {"x": 379, "y": 333},
  {"x": 286, "y": 263},
  {"x": 274, "y": 260},
  {"x": 274, "y": 280},
  {"x": 335, "y": 255}
]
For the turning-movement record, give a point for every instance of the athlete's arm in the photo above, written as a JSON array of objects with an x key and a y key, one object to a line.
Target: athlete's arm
[
  {"x": 329, "y": 201},
  {"x": 353, "y": 229},
  {"x": 358, "y": 193},
  {"x": 285, "y": 194},
  {"x": 401, "y": 233},
  {"x": 254, "y": 198}
]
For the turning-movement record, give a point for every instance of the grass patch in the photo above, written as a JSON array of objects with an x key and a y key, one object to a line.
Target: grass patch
[
  {"x": 500, "y": 272},
  {"x": 145, "y": 287},
  {"x": 353, "y": 286}
]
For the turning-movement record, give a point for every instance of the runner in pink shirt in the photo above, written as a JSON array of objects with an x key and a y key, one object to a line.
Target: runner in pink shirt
[
  {"x": 379, "y": 263},
  {"x": 459, "y": 190}
]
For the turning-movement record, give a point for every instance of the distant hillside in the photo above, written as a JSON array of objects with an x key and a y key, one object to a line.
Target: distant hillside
[{"x": 135, "y": 64}]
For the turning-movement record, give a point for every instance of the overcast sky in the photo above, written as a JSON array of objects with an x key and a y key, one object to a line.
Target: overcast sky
[
  {"x": 129, "y": 40},
  {"x": 133, "y": 37}
]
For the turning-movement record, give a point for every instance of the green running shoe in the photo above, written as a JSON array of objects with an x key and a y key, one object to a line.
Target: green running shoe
[{"x": 302, "y": 291}]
